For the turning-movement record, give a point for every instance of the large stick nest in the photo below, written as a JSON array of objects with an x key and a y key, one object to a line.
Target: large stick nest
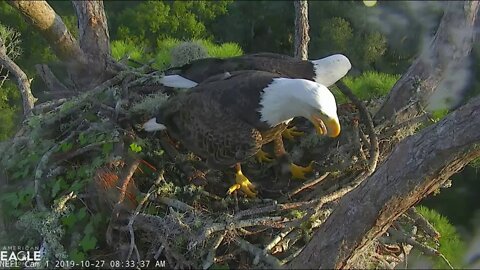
[{"x": 163, "y": 203}]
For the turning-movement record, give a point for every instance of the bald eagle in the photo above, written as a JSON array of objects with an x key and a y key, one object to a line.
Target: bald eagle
[
  {"x": 325, "y": 71},
  {"x": 227, "y": 121}
]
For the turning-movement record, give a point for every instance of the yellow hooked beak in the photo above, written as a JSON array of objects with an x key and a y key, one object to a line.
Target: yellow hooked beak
[{"x": 330, "y": 127}]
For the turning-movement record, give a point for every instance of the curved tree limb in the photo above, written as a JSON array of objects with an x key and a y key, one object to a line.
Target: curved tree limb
[
  {"x": 49, "y": 24},
  {"x": 418, "y": 166},
  {"x": 448, "y": 51},
  {"x": 22, "y": 79}
]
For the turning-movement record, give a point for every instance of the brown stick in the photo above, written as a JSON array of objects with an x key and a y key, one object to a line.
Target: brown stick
[{"x": 22, "y": 80}]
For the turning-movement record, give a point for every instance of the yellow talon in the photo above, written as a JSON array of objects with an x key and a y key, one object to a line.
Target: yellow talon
[
  {"x": 243, "y": 184},
  {"x": 291, "y": 133},
  {"x": 262, "y": 156},
  {"x": 298, "y": 172}
]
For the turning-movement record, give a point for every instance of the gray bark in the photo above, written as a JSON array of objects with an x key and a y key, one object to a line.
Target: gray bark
[
  {"x": 427, "y": 160},
  {"x": 301, "y": 29},
  {"x": 43, "y": 18},
  {"x": 93, "y": 28},
  {"x": 22, "y": 79},
  {"x": 94, "y": 42},
  {"x": 450, "y": 48},
  {"x": 88, "y": 62}
]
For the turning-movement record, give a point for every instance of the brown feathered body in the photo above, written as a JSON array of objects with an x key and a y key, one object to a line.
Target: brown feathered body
[
  {"x": 220, "y": 120},
  {"x": 286, "y": 66}
]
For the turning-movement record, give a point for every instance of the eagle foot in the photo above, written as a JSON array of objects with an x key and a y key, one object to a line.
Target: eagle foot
[
  {"x": 243, "y": 184},
  {"x": 298, "y": 172},
  {"x": 291, "y": 133},
  {"x": 263, "y": 156}
]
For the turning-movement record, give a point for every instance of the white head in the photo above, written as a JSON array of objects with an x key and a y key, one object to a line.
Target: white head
[
  {"x": 330, "y": 69},
  {"x": 286, "y": 98}
]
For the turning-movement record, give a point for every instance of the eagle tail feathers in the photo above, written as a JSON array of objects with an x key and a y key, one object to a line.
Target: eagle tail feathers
[
  {"x": 152, "y": 125},
  {"x": 177, "y": 81}
]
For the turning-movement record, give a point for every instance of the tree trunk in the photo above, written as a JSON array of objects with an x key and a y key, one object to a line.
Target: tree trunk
[
  {"x": 43, "y": 18},
  {"x": 449, "y": 51},
  {"x": 94, "y": 41},
  {"x": 301, "y": 29},
  {"x": 429, "y": 158},
  {"x": 88, "y": 63}
]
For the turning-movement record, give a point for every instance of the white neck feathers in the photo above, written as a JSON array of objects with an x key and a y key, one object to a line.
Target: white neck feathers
[
  {"x": 330, "y": 69},
  {"x": 285, "y": 99}
]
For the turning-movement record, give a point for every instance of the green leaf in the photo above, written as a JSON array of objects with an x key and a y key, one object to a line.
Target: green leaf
[
  {"x": 25, "y": 196},
  {"x": 107, "y": 148},
  {"x": 82, "y": 213},
  {"x": 89, "y": 229},
  {"x": 56, "y": 188},
  {"x": 77, "y": 186},
  {"x": 69, "y": 220},
  {"x": 83, "y": 172},
  {"x": 11, "y": 198},
  {"x": 88, "y": 242},
  {"x": 97, "y": 162},
  {"x": 96, "y": 219},
  {"x": 65, "y": 147},
  {"x": 100, "y": 137},
  {"x": 17, "y": 175},
  {"x": 71, "y": 174},
  {"x": 82, "y": 139},
  {"x": 159, "y": 152},
  {"x": 135, "y": 148},
  {"x": 77, "y": 255}
]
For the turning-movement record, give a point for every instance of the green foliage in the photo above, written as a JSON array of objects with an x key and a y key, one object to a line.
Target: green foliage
[
  {"x": 450, "y": 244},
  {"x": 163, "y": 56},
  {"x": 187, "y": 52},
  {"x": 150, "y": 104},
  {"x": 335, "y": 35},
  {"x": 258, "y": 26},
  {"x": 10, "y": 102},
  {"x": 11, "y": 39},
  {"x": 373, "y": 46},
  {"x": 224, "y": 50},
  {"x": 10, "y": 109},
  {"x": 178, "y": 19},
  {"x": 437, "y": 115},
  {"x": 166, "y": 47},
  {"x": 121, "y": 48},
  {"x": 370, "y": 84}
]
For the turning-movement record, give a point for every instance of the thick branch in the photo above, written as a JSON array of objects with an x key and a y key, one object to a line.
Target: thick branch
[
  {"x": 301, "y": 29},
  {"x": 93, "y": 29},
  {"x": 95, "y": 43},
  {"x": 50, "y": 80},
  {"x": 448, "y": 52},
  {"x": 427, "y": 160},
  {"x": 41, "y": 16},
  {"x": 22, "y": 79}
]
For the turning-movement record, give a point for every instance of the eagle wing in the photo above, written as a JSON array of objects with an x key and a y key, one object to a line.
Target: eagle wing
[
  {"x": 286, "y": 66},
  {"x": 210, "y": 131}
]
